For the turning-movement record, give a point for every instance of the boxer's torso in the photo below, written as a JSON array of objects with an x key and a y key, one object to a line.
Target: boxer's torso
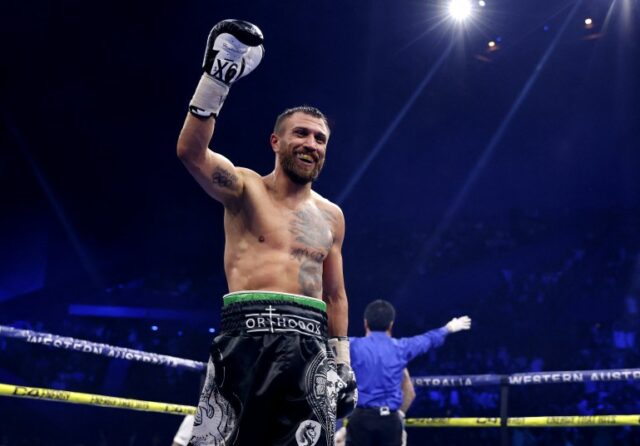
[{"x": 277, "y": 244}]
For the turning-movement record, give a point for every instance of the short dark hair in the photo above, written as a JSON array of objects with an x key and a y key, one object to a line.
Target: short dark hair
[
  {"x": 379, "y": 315},
  {"x": 306, "y": 109}
]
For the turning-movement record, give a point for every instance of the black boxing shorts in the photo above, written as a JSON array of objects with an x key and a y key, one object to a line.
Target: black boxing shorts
[{"x": 270, "y": 378}]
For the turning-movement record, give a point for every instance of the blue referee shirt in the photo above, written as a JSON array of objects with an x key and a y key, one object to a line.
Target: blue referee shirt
[{"x": 378, "y": 361}]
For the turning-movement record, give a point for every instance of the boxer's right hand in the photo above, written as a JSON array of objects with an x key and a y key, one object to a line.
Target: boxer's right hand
[{"x": 234, "y": 49}]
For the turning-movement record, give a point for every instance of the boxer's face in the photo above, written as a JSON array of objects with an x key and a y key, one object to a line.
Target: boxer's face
[{"x": 301, "y": 147}]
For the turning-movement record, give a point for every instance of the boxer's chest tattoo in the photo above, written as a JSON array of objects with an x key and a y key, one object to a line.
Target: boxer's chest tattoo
[
  {"x": 310, "y": 278},
  {"x": 312, "y": 233},
  {"x": 223, "y": 178},
  {"x": 311, "y": 230}
]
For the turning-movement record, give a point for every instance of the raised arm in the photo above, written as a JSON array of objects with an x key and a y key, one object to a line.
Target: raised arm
[
  {"x": 234, "y": 49},
  {"x": 214, "y": 172}
]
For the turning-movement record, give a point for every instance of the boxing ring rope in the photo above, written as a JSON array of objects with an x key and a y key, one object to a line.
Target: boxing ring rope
[
  {"x": 90, "y": 399},
  {"x": 566, "y": 376},
  {"x": 522, "y": 379},
  {"x": 80, "y": 345},
  {"x": 528, "y": 422},
  {"x": 440, "y": 381}
]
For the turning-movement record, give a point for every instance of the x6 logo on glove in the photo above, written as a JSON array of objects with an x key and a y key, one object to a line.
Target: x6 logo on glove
[{"x": 227, "y": 71}]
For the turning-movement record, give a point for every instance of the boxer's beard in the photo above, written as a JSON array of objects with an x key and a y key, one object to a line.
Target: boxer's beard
[{"x": 298, "y": 176}]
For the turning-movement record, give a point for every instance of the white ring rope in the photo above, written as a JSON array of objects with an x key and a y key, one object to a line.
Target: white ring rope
[{"x": 110, "y": 351}]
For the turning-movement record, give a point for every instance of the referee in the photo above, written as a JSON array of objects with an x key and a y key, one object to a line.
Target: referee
[{"x": 378, "y": 361}]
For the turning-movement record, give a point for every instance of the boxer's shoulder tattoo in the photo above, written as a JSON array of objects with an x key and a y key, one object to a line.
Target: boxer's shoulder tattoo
[{"x": 223, "y": 178}]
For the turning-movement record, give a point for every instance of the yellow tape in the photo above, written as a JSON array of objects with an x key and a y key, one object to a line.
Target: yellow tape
[
  {"x": 93, "y": 400},
  {"x": 452, "y": 422},
  {"x": 177, "y": 409},
  {"x": 568, "y": 421},
  {"x": 576, "y": 421}
]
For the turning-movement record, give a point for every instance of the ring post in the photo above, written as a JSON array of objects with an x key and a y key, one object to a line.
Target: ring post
[{"x": 504, "y": 411}]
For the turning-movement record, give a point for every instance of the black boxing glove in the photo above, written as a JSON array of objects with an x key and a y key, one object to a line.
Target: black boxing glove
[
  {"x": 347, "y": 388},
  {"x": 234, "y": 49}
]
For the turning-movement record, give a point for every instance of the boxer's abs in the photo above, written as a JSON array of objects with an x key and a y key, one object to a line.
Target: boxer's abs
[{"x": 292, "y": 270}]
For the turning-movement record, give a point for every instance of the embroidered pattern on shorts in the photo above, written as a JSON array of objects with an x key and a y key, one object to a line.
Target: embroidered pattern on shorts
[
  {"x": 308, "y": 433},
  {"x": 215, "y": 420},
  {"x": 322, "y": 384}
]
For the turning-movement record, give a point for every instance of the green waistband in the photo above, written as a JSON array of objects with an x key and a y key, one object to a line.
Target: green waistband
[{"x": 252, "y": 296}]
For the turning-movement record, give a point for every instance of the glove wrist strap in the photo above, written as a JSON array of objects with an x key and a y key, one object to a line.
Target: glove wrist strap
[
  {"x": 208, "y": 97},
  {"x": 340, "y": 347}
]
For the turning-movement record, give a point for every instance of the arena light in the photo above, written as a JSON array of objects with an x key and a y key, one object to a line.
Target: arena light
[
  {"x": 493, "y": 45},
  {"x": 459, "y": 10},
  {"x": 482, "y": 3}
]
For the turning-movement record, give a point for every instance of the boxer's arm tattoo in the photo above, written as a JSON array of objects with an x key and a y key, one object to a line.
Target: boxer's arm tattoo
[{"x": 223, "y": 178}]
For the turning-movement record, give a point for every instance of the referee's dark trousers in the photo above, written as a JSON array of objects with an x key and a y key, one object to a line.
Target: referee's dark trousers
[{"x": 374, "y": 426}]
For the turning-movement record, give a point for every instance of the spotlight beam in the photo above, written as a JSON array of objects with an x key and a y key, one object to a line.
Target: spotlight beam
[
  {"x": 459, "y": 199},
  {"x": 58, "y": 210},
  {"x": 373, "y": 153}
]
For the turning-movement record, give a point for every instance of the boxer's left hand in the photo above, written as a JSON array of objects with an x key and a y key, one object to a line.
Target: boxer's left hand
[
  {"x": 348, "y": 389},
  {"x": 347, "y": 394}
]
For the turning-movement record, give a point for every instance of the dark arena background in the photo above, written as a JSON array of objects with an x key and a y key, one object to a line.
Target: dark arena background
[{"x": 487, "y": 166}]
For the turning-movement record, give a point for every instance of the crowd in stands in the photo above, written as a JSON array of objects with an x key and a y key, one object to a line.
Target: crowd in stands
[{"x": 577, "y": 309}]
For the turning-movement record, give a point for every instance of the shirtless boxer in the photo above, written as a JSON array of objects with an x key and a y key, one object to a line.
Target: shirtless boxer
[{"x": 279, "y": 372}]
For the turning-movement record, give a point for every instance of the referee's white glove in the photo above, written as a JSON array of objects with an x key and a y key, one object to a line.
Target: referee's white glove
[{"x": 458, "y": 324}]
